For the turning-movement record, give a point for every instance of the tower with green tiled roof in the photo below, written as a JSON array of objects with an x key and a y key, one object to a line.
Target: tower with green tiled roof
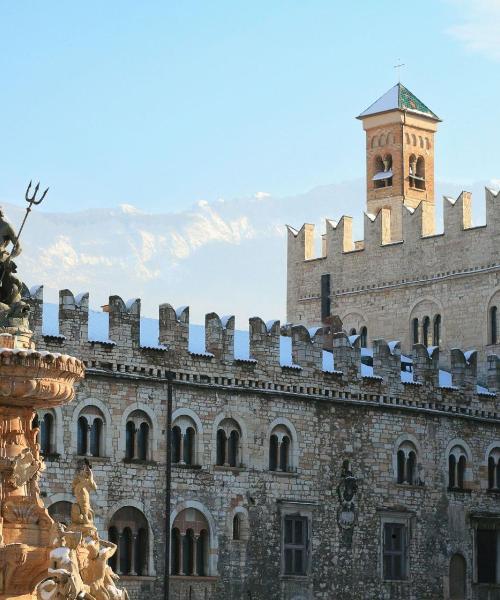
[{"x": 400, "y": 132}]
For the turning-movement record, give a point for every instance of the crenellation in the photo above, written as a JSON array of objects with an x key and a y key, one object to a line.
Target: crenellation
[
  {"x": 264, "y": 339},
  {"x": 426, "y": 364},
  {"x": 412, "y": 220},
  {"x": 457, "y": 214},
  {"x": 124, "y": 321},
  {"x": 464, "y": 369},
  {"x": 34, "y": 298},
  {"x": 307, "y": 347},
  {"x": 174, "y": 327},
  {"x": 339, "y": 238},
  {"x": 387, "y": 363},
  {"x": 219, "y": 336},
  {"x": 347, "y": 355},
  {"x": 73, "y": 316}
]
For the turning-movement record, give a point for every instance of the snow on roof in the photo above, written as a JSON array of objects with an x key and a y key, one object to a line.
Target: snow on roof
[
  {"x": 389, "y": 101},
  {"x": 98, "y": 332}
]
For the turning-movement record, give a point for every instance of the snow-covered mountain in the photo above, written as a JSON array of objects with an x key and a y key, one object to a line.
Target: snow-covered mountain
[{"x": 223, "y": 256}]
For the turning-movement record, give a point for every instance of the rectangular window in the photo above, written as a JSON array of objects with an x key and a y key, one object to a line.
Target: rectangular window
[
  {"x": 325, "y": 296},
  {"x": 487, "y": 555},
  {"x": 295, "y": 545},
  {"x": 394, "y": 551}
]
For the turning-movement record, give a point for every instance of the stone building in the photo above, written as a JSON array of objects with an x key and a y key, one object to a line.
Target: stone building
[
  {"x": 404, "y": 281},
  {"x": 338, "y": 471}
]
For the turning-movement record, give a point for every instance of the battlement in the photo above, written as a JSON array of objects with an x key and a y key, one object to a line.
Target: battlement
[
  {"x": 338, "y": 237},
  {"x": 304, "y": 361}
]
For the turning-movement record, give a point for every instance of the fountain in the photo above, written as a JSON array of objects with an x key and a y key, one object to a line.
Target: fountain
[{"x": 39, "y": 558}]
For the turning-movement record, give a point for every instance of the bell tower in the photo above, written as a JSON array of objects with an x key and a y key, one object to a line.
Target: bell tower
[{"x": 400, "y": 158}]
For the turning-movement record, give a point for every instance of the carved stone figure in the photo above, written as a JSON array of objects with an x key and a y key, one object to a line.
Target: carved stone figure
[
  {"x": 24, "y": 468},
  {"x": 346, "y": 491},
  {"x": 64, "y": 581},
  {"x": 83, "y": 484},
  {"x": 79, "y": 569},
  {"x": 12, "y": 557},
  {"x": 97, "y": 573}
]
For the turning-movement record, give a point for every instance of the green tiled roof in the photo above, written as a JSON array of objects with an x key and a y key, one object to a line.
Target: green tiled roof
[
  {"x": 408, "y": 101},
  {"x": 399, "y": 97}
]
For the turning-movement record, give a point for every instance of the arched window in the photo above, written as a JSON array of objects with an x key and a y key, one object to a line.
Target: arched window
[
  {"x": 421, "y": 141},
  {"x": 425, "y": 331},
  {"x": 436, "y": 337},
  {"x": 353, "y": 331},
  {"x": 46, "y": 423},
  {"x": 420, "y": 173},
  {"x": 383, "y": 171},
  {"x": 413, "y": 139},
  {"x": 273, "y": 453},
  {"x": 143, "y": 441},
  {"x": 364, "y": 337},
  {"x": 493, "y": 325},
  {"x": 494, "y": 469},
  {"x": 61, "y": 512},
  {"x": 280, "y": 450},
  {"x": 457, "y": 467},
  {"x": 412, "y": 165},
  {"x": 415, "y": 330},
  {"x": 138, "y": 436},
  {"x": 190, "y": 544},
  {"x": 91, "y": 432},
  {"x": 233, "y": 448},
  {"x": 458, "y": 569},
  {"x": 96, "y": 437},
  {"x": 129, "y": 440},
  {"x": 407, "y": 464},
  {"x": 129, "y": 530},
  {"x": 184, "y": 434},
  {"x": 407, "y": 137},
  {"x": 229, "y": 444},
  {"x": 221, "y": 447},
  {"x": 374, "y": 142},
  {"x": 83, "y": 427},
  {"x": 381, "y": 141},
  {"x": 237, "y": 527}
]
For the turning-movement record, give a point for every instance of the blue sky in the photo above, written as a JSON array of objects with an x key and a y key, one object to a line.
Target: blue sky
[{"x": 160, "y": 104}]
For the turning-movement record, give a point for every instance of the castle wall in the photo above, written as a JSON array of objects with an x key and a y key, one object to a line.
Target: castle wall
[
  {"x": 331, "y": 417},
  {"x": 456, "y": 270}
]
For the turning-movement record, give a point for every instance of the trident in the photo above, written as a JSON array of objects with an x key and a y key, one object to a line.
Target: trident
[{"x": 30, "y": 202}]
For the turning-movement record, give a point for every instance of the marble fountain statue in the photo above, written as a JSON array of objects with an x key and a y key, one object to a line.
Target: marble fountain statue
[{"x": 40, "y": 558}]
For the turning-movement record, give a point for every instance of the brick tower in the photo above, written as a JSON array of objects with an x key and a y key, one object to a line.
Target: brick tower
[{"x": 400, "y": 159}]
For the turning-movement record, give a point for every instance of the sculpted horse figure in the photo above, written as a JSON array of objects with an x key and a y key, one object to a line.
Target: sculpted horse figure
[{"x": 83, "y": 484}]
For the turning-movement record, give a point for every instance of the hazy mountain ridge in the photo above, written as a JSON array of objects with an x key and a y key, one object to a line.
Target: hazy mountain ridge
[{"x": 227, "y": 256}]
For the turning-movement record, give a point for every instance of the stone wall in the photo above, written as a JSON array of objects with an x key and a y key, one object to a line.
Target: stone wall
[{"x": 331, "y": 417}]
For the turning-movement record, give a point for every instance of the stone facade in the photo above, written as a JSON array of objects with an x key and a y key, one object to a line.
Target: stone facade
[{"x": 291, "y": 475}]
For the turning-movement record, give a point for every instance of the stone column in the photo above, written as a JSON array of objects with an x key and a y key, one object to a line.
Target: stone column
[
  {"x": 132, "y": 554},
  {"x": 226, "y": 448},
  {"x": 181, "y": 448},
  {"x": 195, "y": 554},
  {"x": 118, "y": 552},
  {"x": 136, "y": 443},
  {"x": 181, "y": 553},
  {"x": 87, "y": 436}
]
